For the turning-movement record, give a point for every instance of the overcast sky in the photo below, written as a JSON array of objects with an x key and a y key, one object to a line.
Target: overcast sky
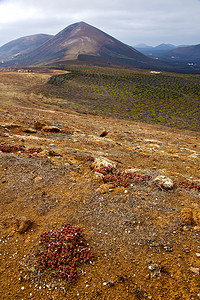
[{"x": 131, "y": 21}]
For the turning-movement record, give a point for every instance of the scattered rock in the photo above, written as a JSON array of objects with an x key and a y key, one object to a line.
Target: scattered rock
[
  {"x": 44, "y": 153},
  {"x": 185, "y": 228},
  {"x": 103, "y": 162},
  {"x": 103, "y": 133},
  {"x": 98, "y": 177},
  {"x": 29, "y": 130},
  {"x": 187, "y": 216},
  {"x": 119, "y": 190},
  {"x": 110, "y": 283},
  {"x": 196, "y": 215},
  {"x": 155, "y": 270},
  {"x": 38, "y": 179},
  {"x": 23, "y": 224},
  {"x": 164, "y": 182},
  {"x": 132, "y": 171},
  {"x": 168, "y": 247},
  {"x": 38, "y": 125},
  {"x": 147, "y": 277},
  {"x": 11, "y": 125},
  {"x": 198, "y": 254},
  {"x": 196, "y": 271},
  {"x": 104, "y": 188},
  {"x": 51, "y": 129},
  {"x": 196, "y": 228}
]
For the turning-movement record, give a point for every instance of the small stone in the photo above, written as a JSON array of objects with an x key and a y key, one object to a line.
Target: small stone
[
  {"x": 198, "y": 254},
  {"x": 110, "y": 283},
  {"x": 164, "y": 182},
  {"x": 23, "y": 224},
  {"x": 196, "y": 228},
  {"x": 147, "y": 277},
  {"x": 104, "y": 188},
  {"x": 44, "y": 153},
  {"x": 38, "y": 179},
  {"x": 103, "y": 133},
  {"x": 11, "y": 126},
  {"x": 195, "y": 270},
  {"x": 103, "y": 162},
  {"x": 196, "y": 214},
  {"x": 168, "y": 247},
  {"x": 187, "y": 216},
  {"x": 155, "y": 270},
  {"x": 29, "y": 130},
  {"x": 98, "y": 177},
  {"x": 38, "y": 125},
  {"x": 51, "y": 129},
  {"x": 132, "y": 170}
]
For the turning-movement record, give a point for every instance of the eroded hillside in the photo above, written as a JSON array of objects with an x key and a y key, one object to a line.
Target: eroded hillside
[{"x": 144, "y": 235}]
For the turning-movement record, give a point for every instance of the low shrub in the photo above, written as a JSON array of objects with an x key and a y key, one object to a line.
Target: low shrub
[
  {"x": 64, "y": 251},
  {"x": 188, "y": 185},
  {"x": 118, "y": 178}
]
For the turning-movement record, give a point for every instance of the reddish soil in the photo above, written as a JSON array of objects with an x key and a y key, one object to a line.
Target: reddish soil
[{"x": 142, "y": 248}]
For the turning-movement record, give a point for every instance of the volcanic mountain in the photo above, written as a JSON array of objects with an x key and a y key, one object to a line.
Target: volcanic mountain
[
  {"x": 84, "y": 42},
  {"x": 22, "y": 45}
]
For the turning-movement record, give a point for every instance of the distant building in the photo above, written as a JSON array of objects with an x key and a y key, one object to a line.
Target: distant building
[{"x": 155, "y": 72}]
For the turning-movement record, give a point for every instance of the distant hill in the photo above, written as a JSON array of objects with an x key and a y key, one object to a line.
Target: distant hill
[
  {"x": 154, "y": 52},
  {"x": 143, "y": 46},
  {"x": 22, "y": 45},
  {"x": 85, "y": 43},
  {"x": 190, "y": 53},
  {"x": 181, "y": 59},
  {"x": 165, "y": 47}
]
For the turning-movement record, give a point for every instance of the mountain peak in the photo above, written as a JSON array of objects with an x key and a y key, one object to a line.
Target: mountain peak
[{"x": 81, "y": 41}]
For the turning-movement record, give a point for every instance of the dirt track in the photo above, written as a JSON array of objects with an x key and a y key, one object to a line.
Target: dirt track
[{"x": 142, "y": 249}]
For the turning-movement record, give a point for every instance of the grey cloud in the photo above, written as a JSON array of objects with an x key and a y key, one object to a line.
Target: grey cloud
[{"x": 131, "y": 21}]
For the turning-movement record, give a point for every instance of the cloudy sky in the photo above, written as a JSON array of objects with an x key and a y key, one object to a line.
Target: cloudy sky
[{"x": 131, "y": 21}]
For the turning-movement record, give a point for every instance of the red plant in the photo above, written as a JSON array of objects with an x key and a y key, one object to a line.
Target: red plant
[
  {"x": 188, "y": 185},
  {"x": 64, "y": 251},
  {"x": 118, "y": 178},
  {"x": 11, "y": 149}
]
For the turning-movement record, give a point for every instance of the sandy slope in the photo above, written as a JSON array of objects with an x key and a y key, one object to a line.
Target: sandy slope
[{"x": 142, "y": 249}]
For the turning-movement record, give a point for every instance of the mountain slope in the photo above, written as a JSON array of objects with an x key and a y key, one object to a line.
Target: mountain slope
[
  {"x": 191, "y": 53},
  {"x": 81, "y": 41},
  {"x": 22, "y": 45}
]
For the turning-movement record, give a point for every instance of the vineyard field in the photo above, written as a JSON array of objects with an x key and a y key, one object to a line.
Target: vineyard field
[{"x": 169, "y": 99}]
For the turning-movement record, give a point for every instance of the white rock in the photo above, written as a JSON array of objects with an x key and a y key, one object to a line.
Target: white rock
[
  {"x": 132, "y": 170},
  {"x": 103, "y": 162},
  {"x": 164, "y": 182},
  {"x": 195, "y": 270}
]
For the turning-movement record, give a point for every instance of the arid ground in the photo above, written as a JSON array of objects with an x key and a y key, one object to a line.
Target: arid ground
[{"x": 143, "y": 246}]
